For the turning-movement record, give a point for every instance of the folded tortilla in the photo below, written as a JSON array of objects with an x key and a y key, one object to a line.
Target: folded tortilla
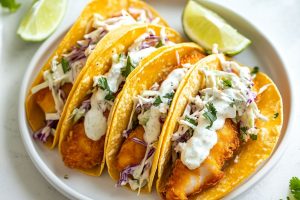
[
  {"x": 245, "y": 160},
  {"x": 102, "y": 10},
  {"x": 154, "y": 72},
  {"x": 76, "y": 147}
]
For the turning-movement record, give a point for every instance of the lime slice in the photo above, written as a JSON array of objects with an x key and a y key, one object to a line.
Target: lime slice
[
  {"x": 207, "y": 28},
  {"x": 42, "y": 19}
]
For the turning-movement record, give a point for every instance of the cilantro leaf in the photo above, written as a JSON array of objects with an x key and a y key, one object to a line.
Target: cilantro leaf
[
  {"x": 12, "y": 5},
  {"x": 157, "y": 101},
  {"x": 227, "y": 83},
  {"x": 159, "y": 44},
  {"x": 190, "y": 120},
  {"x": 65, "y": 65},
  {"x": 128, "y": 68},
  {"x": 102, "y": 83},
  {"x": 255, "y": 70},
  {"x": 210, "y": 114},
  {"x": 244, "y": 130},
  {"x": 169, "y": 96},
  {"x": 253, "y": 137},
  {"x": 109, "y": 97},
  {"x": 276, "y": 115},
  {"x": 243, "y": 133},
  {"x": 295, "y": 187}
]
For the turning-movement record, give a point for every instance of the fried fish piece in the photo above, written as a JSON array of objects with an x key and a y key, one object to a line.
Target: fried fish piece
[
  {"x": 184, "y": 182},
  {"x": 131, "y": 153},
  {"x": 78, "y": 151},
  {"x": 45, "y": 99}
]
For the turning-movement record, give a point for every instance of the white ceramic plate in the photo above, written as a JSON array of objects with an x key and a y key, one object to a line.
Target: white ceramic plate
[{"x": 78, "y": 186}]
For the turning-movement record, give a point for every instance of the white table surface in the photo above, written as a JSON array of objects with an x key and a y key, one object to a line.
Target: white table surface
[{"x": 279, "y": 20}]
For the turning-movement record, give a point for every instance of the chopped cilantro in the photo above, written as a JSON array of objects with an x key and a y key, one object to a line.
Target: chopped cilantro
[
  {"x": 244, "y": 130},
  {"x": 255, "y": 70},
  {"x": 102, "y": 83},
  {"x": 65, "y": 65},
  {"x": 157, "y": 101},
  {"x": 169, "y": 96},
  {"x": 128, "y": 68},
  {"x": 190, "y": 120},
  {"x": 210, "y": 114},
  {"x": 12, "y": 5},
  {"x": 253, "y": 136},
  {"x": 276, "y": 115},
  {"x": 159, "y": 44},
  {"x": 231, "y": 104},
  {"x": 243, "y": 133},
  {"x": 295, "y": 187},
  {"x": 227, "y": 83},
  {"x": 109, "y": 97}
]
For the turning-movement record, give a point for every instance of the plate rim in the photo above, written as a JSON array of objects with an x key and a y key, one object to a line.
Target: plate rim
[{"x": 72, "y": 193}]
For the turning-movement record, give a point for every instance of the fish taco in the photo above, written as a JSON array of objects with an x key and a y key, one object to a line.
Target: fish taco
[
  {"x": 227, "y": 122},
  {"x": 141, "y": 116},
  {"x": 90, "y": 109}
]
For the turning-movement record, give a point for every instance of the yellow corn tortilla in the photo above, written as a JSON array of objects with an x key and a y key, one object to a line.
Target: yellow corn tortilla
[
  {"x": 156, "y": 70},
  {"x": 126, "y": 37},
  {"x": 106, "y": 8},
  {"x": 251, "y": 154}
]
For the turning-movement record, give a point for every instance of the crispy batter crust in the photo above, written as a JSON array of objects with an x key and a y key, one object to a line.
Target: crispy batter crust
[
  {"x": 185, "y": 182},
  {"x": 81, "y": 152}
]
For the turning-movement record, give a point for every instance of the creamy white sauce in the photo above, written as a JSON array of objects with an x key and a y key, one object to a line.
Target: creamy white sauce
[
  {"x": 235, "y": 102},
  {"x": 153, "y": 126},
  {"x": 137, "y": 56},
  {"x": 95, "y": 122},
  {"x": 114, "y": 76}
]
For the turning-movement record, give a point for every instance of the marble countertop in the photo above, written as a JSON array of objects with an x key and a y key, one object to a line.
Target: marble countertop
[{"x": 279, "y": 20}]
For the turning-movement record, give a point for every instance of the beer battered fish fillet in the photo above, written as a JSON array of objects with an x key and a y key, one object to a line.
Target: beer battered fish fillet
[
  {"x": 81, "y": 152},
  {"x": 45, "y": 99},
  {"x": 184, "y": 182},
  {"x": 131, "y": 153}
]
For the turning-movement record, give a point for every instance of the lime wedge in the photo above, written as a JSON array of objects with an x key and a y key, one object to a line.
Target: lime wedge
[
  {"x": 207, "y": 28},
  {"x": 42, "y": 19}
]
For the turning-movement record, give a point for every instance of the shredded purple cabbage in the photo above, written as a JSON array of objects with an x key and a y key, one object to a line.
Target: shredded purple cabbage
[
  {"x": 150, "y": 153},
  {"x": 251, "y": 97},
  {"x": 125, "y": 173},
  {"x": 137, "y": 140},
  {"x": 45, "y": 132},
  {"x": 150, "y": 41}
]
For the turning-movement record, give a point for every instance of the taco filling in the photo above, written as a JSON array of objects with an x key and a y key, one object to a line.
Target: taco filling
[
  {"x": 151, "y": 107},
  {"x": 84, "y": 145},
  {"x": 51, "y": 94},
  {"x": 214, "y": 124}
]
